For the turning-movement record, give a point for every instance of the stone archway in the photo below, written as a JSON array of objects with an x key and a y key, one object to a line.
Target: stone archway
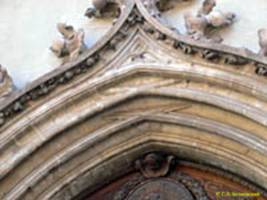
[{"x": 142, "y": 89}]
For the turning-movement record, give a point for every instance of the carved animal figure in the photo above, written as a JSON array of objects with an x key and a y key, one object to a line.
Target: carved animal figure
[
  {"x": 71, "y": 45},
  {"x": 195, "y": 25},
  {"x": 199, "y": 26},
  {"x": 262, "y": 34},
  {"x": 220, "y": 19}
]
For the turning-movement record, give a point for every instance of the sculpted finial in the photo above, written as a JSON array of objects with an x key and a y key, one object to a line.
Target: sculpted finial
[
  {"x": 207, "y": 18},
  {"x": 262, "y": 34},
  {"x": 71, "y": 45}
]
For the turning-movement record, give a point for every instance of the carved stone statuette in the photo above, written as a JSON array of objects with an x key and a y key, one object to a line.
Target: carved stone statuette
[
  {"x": 71, "y": 45},
  {"x": 103, "y": 8},
  {"x": 154, "y": 165},
  {"x": 6, "y": 84},
  {"x": 198, "y": 26},
  {"x": 262, "y": 33}
]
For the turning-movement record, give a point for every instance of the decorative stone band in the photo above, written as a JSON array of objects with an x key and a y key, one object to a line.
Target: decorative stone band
[{"x": 133, "y": 12}]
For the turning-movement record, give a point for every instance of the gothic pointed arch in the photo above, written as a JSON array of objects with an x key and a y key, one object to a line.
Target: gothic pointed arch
[{"x": 145, "y": 104}]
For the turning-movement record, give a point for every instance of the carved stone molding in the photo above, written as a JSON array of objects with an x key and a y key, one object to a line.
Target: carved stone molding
[
  {"x": 142, "y": 88},
  {"x": 133, "y": 14}
]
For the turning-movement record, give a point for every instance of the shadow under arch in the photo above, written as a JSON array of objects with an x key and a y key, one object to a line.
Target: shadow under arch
[{"x": 116, "y": 165}]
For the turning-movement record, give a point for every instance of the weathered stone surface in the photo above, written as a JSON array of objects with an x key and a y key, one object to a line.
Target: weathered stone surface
[{"x": 152, "y": 90}]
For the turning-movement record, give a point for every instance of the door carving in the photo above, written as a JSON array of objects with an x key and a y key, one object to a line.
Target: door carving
[{"x": 162, "y": 177}]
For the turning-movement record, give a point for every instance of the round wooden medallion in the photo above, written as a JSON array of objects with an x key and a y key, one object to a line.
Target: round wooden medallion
[{"x": 160, "y": 189}]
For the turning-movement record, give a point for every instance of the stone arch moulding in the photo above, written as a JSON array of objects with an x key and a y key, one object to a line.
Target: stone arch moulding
[{"x": 142, "y": 90}]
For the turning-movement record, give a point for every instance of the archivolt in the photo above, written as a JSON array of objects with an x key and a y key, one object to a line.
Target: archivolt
[{"x": 205, "y": 138}]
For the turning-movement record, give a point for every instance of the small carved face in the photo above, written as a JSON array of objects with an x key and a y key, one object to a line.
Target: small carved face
[{"x": 66, "y": 30}]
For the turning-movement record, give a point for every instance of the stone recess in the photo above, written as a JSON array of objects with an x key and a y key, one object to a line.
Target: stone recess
[{"x": 142, "y": 88}]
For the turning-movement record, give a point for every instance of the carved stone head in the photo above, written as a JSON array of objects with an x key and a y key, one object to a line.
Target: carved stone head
[
  {"x": 219, "y": 19},
  {"x": 207, "y": 7},
  {"x": 66, "y": 30},
  {"x": 154, "y": 165},
  {"x": 153, "y": 162}
]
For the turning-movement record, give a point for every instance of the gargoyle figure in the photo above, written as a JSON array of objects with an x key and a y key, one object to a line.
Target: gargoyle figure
[
  {"x": 199, "y": 26},
  {"x": 103, "y": 8},
  {"x": 6, "y": 84},
  {"x": 71, "y": 45},
  {"x": 262, "y": 34}
]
